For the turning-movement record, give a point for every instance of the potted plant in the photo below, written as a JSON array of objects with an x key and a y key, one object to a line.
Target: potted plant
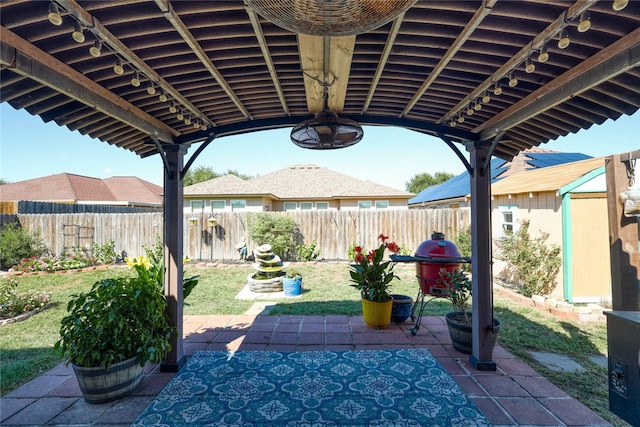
[
  {"x": 459, "y": 287},
  {"x": 292, "y": 283},
  {"x": 372, "y": 276},
  {"x": 111, "y": 332}
]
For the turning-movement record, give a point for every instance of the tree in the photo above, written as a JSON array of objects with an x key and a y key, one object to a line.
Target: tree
[
  {"x": 3, "y": 181},
  {"x": 423, "y": 180},
  {"x": 205, "y": 173}
]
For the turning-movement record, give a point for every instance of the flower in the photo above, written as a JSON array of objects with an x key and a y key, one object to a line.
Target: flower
[{"x": 370, "y": 274}]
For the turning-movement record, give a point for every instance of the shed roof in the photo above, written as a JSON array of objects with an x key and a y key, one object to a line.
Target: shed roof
[
  {"x": 551, "y": 178},
  {"x": 223, "y": 65}
]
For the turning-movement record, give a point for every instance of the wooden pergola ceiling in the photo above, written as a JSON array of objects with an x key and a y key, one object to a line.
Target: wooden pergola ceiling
[{"x": 230, "y": 71}]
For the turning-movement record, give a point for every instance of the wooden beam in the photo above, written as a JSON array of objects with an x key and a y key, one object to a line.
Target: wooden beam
[
  {"x": 29, "y": 61},
  {"x": 618, "y": 58}
]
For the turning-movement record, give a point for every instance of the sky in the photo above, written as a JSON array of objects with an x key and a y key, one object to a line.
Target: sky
[{"x": 30, "y": 148}]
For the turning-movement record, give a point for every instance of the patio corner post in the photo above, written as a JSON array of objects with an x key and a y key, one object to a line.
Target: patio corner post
[
  {"x": 481, "y": 267},
  {"x": 173, "y": 251}
]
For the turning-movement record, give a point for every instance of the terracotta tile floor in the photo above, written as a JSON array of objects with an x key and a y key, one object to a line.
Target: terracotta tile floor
[{"x": 513, "y": 395}]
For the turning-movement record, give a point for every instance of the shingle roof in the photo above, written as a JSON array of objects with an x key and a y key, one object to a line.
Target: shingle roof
[
  {"x": 66, "y": 187},
  {"x": 316, "y": 182},
  {"x": 224, "y": 185},
  {"x": 459, "y": 186},
  {"x": 551, "y": 178}
]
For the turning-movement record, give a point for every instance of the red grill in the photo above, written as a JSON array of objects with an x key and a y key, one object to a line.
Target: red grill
[{"x": 437, "y": 253}]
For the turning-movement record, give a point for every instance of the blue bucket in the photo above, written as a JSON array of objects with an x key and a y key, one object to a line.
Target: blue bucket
[{"x": 292, "y": 287}]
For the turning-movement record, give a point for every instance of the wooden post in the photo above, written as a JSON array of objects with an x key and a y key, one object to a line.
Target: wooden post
[
  {"x": 623, "y": 236},
  {"x": 481, "y": 266},
  {"x": 173, "y": 248}
]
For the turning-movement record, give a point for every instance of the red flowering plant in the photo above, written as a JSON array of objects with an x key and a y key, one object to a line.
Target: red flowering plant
[{"x": 371, "y": 274}]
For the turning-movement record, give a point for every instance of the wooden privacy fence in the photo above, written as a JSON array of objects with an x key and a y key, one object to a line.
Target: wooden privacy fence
[{"x": 333, "y": 231}]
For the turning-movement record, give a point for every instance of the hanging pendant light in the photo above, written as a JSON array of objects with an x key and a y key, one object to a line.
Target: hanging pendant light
[
  {"x": 486, "y": 98},
  {"x": 96, "y": 49},
  {"x": 618, "y": 5},
  {"x": 78, "y": 33},
  {"x": 585, "y": 22},
  {"x": 54, "y": 14},
  {"x": 564, "y": 41},
  {"x": 135, "y": 80},
  {"x": 330, "y": 18},
  {"x": 513, "y": 81},
  {"x": 118, "y": 68},
  {"x": 543, "y": 56},
  {"x": 497, "y": 89}
]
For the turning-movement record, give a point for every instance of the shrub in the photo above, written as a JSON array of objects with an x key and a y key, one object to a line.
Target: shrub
[
  {"x": 17, "y": 244},
  {"x": 105, "y": 254},
  {"x": 14, "y": 303},
  {"x": 307, "y": 253},
  {"x": 532, "y": 265},
  {"x": 275, "y": 230},
  {"x": 69, "y": 261},
  {"x": 463, "y": 242}
]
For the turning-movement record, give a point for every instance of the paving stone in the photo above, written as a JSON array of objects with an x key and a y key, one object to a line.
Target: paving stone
[{"x": 557, "y": 362}]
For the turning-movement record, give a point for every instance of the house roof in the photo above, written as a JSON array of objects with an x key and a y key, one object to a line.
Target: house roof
[
  {"x": 224, "y": 185},
  {"x": 298, "y": 182},
  {"x": 66, "y": 187},
  {"x": 551, "y": 178},
  {"x": 459, "y": 186},
  {"x": 232, "y": 69}
]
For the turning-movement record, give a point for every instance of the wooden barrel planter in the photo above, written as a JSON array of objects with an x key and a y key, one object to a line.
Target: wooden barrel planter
[{"x": 100, "y": 385}]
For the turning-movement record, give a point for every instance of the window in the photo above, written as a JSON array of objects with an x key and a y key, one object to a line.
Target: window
[
  {"x": 306, "y": 206},
  {"x": 508, "y": 219},
  {"x": 197, "y": 205},
  {"x": 322, "y": 205},
  {"x": 382, "y": 204},
  {"x": 290, "y": 206},
  {"x": 364, "y": 205},
  {"x": 238, "y": 204},
  {"x": 218, "y": 205}
]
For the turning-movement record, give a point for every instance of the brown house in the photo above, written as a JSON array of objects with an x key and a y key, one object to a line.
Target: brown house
[
  {"x": 298, "y": 187},
  {"x": 78, "y": 189}
]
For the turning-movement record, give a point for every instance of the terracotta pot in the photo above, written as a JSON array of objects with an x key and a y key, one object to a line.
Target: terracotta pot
[{"x": 377, "y": 314}]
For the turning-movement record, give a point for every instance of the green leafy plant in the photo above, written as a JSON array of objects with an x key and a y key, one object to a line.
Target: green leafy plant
[
  {"x": 372, "y": 275},
  {"x": 307, "y": 253},
  {"x": 17, "y": 244},
  {"x": 459, "y": 286},
  {"x": 273, "y": 229},
  {"x": 106, "y": 253},
  {"x": 292, "y": 273},
  {"x": 14, "y": 303},
  {"x": 69, "y": 261},
  {"x": 532, "y": 264},
  {"x": 117, "y": 319},
  {"x": 463, "y": 243}
]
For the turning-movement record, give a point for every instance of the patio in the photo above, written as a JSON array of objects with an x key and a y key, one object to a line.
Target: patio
[{"x": 513, "y": 395}]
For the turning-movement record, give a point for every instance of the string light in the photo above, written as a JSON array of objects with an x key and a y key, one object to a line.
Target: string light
[
  {"x": 452, "y": 123},
  {"x": 135, "y": 80},
  {"x": 180, "y": 115},
  {"x": 96, "y": 49},
  {"x": 529, "y": 66},
  {"x": 564, "y": 41},
  {"x": 172, "y": 107},
  {"x": 543, "y": 56},
  {"x": 78, "y": 33},
  {"x": 151, "y": 89},
  {"x": 118, "y": 68},
  {"x": 497, "y": 89},
  {"x": 54, "y": 14},
  {"x": 196, "y": 124},
  {"x": 163, "y": 96},
  {"x": 513, "y": 81},
  {"x": 470, "y": 110},
  {"x": 204, "y": 126},
  {"x": 585, "y": 22},
  {"x": 618, "y": 5},
  {"x": 460, "y": 118},
  {"x": 486, "y": 98},
  {"x": 187, "y": 121}
]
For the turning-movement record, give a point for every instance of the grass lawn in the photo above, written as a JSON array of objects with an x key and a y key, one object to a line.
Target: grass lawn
[{"x": 25, "y": 347}]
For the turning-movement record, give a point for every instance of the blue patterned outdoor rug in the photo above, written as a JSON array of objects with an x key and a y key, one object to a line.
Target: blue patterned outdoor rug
[{"x": 316, "y": 388}]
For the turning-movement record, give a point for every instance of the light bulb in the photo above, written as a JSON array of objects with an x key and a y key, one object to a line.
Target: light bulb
[
  {"x": 135, "y": 80},
  {"x": 96, "y": 49},
  {"x": 618, "y": 5},
  {"x": 452, "y": 123},
  {"x": 204, "y": 126},
  {"x": 460, "y": 119},
  {"x": 529, "y": 66},
  {"x": 486, "y": 98},
  {"x": 118, "y": 68},
  {"x": 477, "y": 106},
  {"x": 172, "y": 107},
  {"x": 196, "y": 125},
  {"x": 470, "y": 110},
  {"x": 497, "y": 89},
  {"x": 187, "y": 121},
  {"x": 564, "y": 41},
  {"x": 78, "y": 33},
  {"x": 180, "y": 116},
  {"x": 585, "y": 22},
  {"x": 543, "y": 56},
  {"x": 513, "y": 81},
  {"x": 163, "y": 96},
  {"x": 151, "y": 89},
  {"x": 54, "y": 14}
]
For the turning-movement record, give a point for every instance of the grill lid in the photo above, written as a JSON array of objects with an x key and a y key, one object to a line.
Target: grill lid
[{"x": 438, "y": 247}]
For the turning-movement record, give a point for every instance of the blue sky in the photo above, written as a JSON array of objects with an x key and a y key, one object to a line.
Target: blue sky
[{"x": 30, "y": 148}]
